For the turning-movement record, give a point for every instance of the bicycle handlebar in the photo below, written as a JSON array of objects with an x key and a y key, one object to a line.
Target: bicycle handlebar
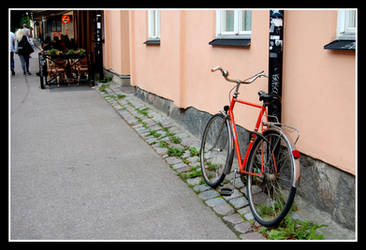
[{"x": 249, "y": 80}]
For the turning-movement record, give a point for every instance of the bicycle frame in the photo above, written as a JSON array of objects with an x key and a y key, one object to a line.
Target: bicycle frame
[{"x": 263, "y": 111}]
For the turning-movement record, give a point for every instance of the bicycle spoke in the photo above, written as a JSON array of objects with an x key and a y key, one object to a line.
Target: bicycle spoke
[
  {"x": 215, "y": 150},
  {"x": 273, "y": 157}
]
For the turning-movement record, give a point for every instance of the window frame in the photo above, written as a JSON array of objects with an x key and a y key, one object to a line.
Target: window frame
[
  {"x": 238, "y": 32},
  {"x": 153, "y": 27},
  {"x": 344, "y": 32}
]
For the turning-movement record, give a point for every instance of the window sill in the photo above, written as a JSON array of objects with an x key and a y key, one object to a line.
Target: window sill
[
  {"x": 230, "y": 42},
  {"x": 152, "y": 42},
  {"x": 341, "y": 45}
]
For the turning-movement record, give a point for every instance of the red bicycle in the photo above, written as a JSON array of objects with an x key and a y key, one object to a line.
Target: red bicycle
[{"x": 270, "y": 168}]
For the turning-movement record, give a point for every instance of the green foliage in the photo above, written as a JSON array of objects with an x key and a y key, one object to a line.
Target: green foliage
[
  {"x": 177, "y": 152},
  {"x": 175, "y": 139},
  {"x": 24, "y": 20},
  {"x": 193, "y": 151},
  {"x": 142, "y": 111},
  {"x": 53, "y": 51},
  {"x": 154, "y": 133},
  {"x": 70, "y": 52},
  {"x": 193, "y": 174},
  {"x": 163, "y": 144},
  {"x": 103, "y": 87},
  {"x": 293, "y": 229},
  {"x": 106, "y": 79},
  {"x": 81, "y": 51}
]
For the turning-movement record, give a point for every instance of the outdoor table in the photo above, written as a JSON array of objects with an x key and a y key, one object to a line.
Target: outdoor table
[{"x": 63, "y": 68}]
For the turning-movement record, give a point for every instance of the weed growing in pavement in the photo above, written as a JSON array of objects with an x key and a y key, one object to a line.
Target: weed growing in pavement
[
  {"x": 194, "y": 152},
  {"x": 142, "y": 111},
  {"x": 106, "y": 79},
  {"x": 177, "y": 152},
  {"x": 155, "y": 134},
  {"x": 119, "y": 96},
  {"x": 175, "y": 140},
  {"x": 103, "y": 87},
  {"x": 163, "y": 144},
  {"x": 292, "y": 229},
  {"x": 193, "y": 174},
  {"x": 131, "y": 105}
]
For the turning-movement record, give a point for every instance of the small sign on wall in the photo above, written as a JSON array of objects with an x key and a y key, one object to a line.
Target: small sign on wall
[{"x": 65, "y": 19}]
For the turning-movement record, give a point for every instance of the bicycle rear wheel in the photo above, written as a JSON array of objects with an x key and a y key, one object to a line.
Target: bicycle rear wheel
[
  {"x": 270, "y": 196},
  {"x": 216, "y": 150}
]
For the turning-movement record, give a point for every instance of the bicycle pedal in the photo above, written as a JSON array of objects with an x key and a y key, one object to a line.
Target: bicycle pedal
[{"x": 226, "y": 191}]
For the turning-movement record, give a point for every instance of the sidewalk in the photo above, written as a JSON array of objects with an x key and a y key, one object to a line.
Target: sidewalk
[
  {"x": 79, "y": 172},
  {"x": 157, "y": 129}
]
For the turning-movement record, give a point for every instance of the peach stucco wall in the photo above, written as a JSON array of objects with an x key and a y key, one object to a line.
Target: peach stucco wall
[
  {"x": 319, "y": 88},
  {"x": 116, "y": 49},
  {"x": 318, "y": 85}
]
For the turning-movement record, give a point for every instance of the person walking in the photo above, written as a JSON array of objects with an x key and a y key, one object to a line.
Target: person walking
[
  {"x": 23, "y": 49},
  {"x": 12, "y": 50}
]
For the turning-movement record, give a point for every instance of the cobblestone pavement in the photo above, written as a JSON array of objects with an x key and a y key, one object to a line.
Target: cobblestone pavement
[{"x": 162, "y": 133}]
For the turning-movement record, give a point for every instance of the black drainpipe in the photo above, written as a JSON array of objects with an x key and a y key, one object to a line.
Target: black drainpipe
[{"x": 275, "y": 61}]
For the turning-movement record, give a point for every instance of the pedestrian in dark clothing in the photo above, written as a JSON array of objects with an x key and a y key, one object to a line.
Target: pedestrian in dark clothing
[
  {"x": 23, "y": 49},
  {"x": 46, "y": 45}
]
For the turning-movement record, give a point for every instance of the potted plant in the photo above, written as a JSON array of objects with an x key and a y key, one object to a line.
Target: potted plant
[{"x": 82, "y": 52}]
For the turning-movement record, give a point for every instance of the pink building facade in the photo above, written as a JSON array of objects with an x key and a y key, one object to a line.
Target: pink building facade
[{"x": 167, "y": 53}]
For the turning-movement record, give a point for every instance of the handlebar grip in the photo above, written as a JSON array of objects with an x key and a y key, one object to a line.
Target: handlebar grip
[{"x": 215, "y": 68}]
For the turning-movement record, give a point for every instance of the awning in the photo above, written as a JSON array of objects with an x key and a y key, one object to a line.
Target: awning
[{"x": 37, "y": 14}]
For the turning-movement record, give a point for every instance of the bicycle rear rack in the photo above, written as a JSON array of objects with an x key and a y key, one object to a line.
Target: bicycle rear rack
[{"x": 288, "y": 130}]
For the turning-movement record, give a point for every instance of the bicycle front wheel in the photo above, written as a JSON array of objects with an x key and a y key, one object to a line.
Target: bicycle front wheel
[
  {"x": 216, "y": 150},
  {"x": 271, "y": 195}
]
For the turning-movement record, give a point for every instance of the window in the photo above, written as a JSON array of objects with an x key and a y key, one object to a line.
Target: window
[
  {"x": 233, "y": 23},
  {"x": 154, "y": 24},
  {"x": 346, "y": 25},
  {"x": 54, "y": 26},
  {"x": 346, "y": 31}
]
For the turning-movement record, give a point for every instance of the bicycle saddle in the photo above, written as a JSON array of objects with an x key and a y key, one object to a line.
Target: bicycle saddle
[{"x": 266, "y": 98}]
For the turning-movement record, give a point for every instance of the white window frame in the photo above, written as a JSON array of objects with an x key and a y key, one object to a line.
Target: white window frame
[
  {"x": 237, "y": 33},
  {"x": 344, "y": 31},
  {"x": 154, "y": 25}
]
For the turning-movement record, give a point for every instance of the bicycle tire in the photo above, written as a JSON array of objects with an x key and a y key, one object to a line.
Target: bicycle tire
[
  {"x": 270, "y": 197},
  {"x": 216, "y": 154}
]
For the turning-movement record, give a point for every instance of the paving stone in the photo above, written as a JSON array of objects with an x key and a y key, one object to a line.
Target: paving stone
[
  {"x": 234, "y": 195},
  {"x": 184, "y": 169},
  {"x": 239, "y": 202},
  {"x": 243, "y": 227},
  {"x": 201, "y": 188},
  {"x": 255, "y": 189},
  {"x": 238, "y": 183},
  {"x": 179, "y": 165},
  {"x": 151, "y": 140},
  {"x": 161, "y": 151},
  {"x": 194, "y": 181},
  {"x": 208, "y": 194},
  {"x": 252, "y": 236},
  {"x": 246, "y": 212},
  {"x": 193, "y": 160},
  {"x": 173, "y": 160},
  {"x": 123, "y": 112},
  {"x": 155, "y": 127},
  {"x": 225, "y": 209},
  {"x": 186, "y": 154},
  {"x": 182, "y": 135},
  {"x": 233, "y": 219},
  {"x": 215, "y": 202}
]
